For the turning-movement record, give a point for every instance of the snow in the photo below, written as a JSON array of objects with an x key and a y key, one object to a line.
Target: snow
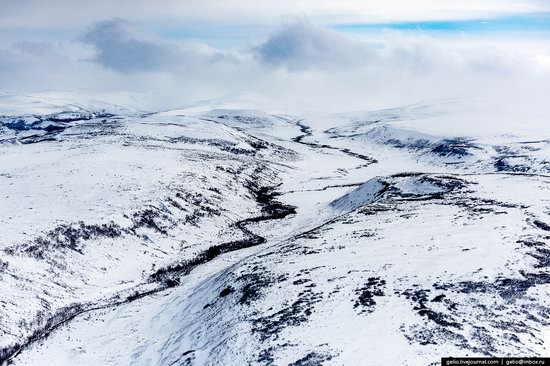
[
  {"x": 363, "y": 195},
  {"x": 416, "y": 236}
]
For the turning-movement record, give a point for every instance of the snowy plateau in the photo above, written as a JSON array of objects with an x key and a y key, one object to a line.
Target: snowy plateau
[{"x": 231, "y": 232}]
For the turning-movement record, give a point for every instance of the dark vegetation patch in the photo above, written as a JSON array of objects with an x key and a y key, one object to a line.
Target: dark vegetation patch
[
  {"x": 174, "y": 203},
  {"x": 34, "y": 139},
  {"x": 254, "y": 283},
  {"x": 256, "y": 143},
  {"x": 455, "y": 147},
  {"x": 538, "y": 250},
  {"x": 151, "y": 218},
  {"x": 42, "y": 325},
  {"x": 445, "y": 183},
  {"x": 306, "y": 132},
  {"x": 17, "y": 125},
  {"x": 541, "y": 225},
  {"x": 502, "y": 164},
  {"x": 304, "y": 129},
  {"x": 367, "y": 294},
  {"x": 420, "y": 298},
  {"x": 418, "y": 144},
  {"x": 508, "y": 289},
  {"x": 483, "y": 341},
  {"x": 37, "y": 122},
  {"x": 301, "y": 281},
  {"x": 266, "y": 356},
  {"x": 542, "y": 255},
  {"x": 249, "y": 120},
  {"x": 66, "y": 237},
  {"x": 513, "y": 288},
  {"x": 3, "y": 266},
  {"x": 292, "y": 315},
  {"x": 201, "y": 206},
  {"x": 73, "y": 236},
  {"x": 476, "y": 207},
  {"x": 432, "y": 336},
  {"x": 47, "y": 127},
  {"x": 312, "y": 359},
  {"x": 161, "y": 220},
  {"x": 223, "y": 145},
  {"x": 530, "y": 243},
  {"x": 46, "y": 322},
  {"x": 271, "y": 209},
  {"x": 316, "y": 232},
  {"x": 138, "y": 295},
  {"x": 187, "y": 358},
  {"x": 376, "y": 208},
  {"x": 227, "y": 291},
  {"x": 493, "y": 326}
]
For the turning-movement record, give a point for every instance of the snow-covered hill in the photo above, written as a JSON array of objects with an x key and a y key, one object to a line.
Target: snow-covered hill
[{"x": 229, "y": 234}]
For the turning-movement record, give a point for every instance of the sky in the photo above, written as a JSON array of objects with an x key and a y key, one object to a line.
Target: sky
[{"x": 344, "y": 53}]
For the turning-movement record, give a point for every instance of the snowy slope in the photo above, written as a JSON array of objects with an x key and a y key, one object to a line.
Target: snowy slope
[{"x": 223, "y": 234}]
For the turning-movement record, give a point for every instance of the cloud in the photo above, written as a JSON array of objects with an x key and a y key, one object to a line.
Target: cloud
[
  {"x": 299, "y": 60},
  {"x": 543, "y": 63},
  {"x": 300, "y": 45},
  {"x": 121, "y": 46},
  {"x": 39, "y": 65}
]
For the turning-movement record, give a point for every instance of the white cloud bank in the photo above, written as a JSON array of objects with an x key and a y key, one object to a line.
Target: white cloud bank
[{"x": 298, "y": 61}]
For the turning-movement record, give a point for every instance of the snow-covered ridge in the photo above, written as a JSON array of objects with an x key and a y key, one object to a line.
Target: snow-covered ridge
[
  {"x": 213, "y": 234},
  {"x": 150, "y": 185},
  {"x": 503, "y": 150},
  {"x": 364, "y": 194}
]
